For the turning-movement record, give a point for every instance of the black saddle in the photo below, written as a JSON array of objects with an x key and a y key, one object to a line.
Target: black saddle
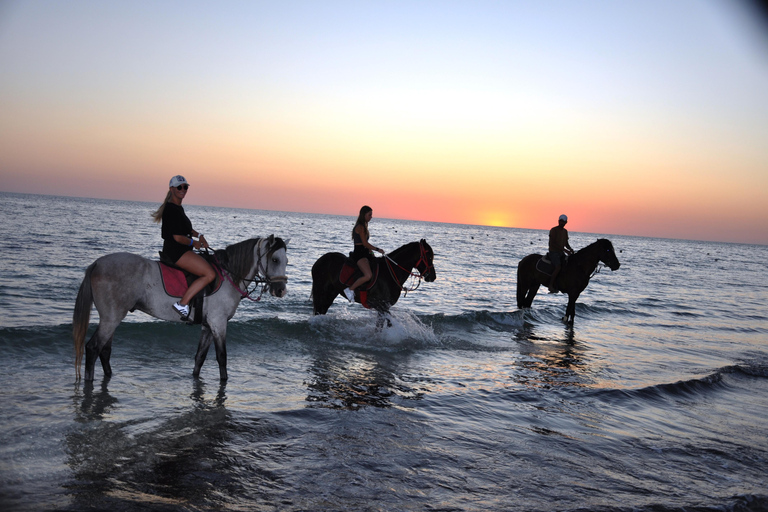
[{"x": 545, "y": 265}]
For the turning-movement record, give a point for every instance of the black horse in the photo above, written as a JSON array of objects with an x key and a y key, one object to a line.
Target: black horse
[
  {"x": 389, "y": 274},
  {"x": 573, "y": 277}
]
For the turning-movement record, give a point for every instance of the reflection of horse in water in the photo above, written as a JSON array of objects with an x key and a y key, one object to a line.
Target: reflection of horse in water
[
  {"x": 123, "y": 282},
  {"x": 351, "y": 381},
  {"x": 147, "y": 462},
  {"x": 572, "y": 279},
  {"x": 383, "y": 290}
]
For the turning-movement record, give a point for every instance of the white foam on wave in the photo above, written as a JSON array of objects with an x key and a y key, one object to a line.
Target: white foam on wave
[{"x": 358, "y": 327}]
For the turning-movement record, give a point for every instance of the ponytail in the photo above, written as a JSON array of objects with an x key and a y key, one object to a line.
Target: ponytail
[{"x": 158, "y": 215}]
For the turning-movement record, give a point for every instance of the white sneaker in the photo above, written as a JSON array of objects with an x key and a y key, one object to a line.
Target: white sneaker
[
  {"x": 183, "y": 311},
  {"x": 350, "y": 294}
]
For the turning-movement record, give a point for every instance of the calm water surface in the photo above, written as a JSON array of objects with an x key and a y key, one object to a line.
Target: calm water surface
[{"x": 654, "y": 401}]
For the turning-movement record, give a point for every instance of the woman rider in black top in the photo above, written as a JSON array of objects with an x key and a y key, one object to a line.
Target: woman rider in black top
[
  {"x": 362, "y": 250},
  {"x": 178, "y": 242}
]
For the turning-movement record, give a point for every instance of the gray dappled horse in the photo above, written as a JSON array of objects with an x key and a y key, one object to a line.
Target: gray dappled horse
[
  {"x": 573, "y": 278},
  {"x": 123, "y": 282}
]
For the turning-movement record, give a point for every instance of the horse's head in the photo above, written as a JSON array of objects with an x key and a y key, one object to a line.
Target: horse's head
[
  {"x": 608, "y": 255},
  {"x": 273, "y": 259},
  {"x": 425, "y": 265}
]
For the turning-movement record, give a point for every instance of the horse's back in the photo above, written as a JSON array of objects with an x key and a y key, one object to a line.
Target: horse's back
[
  {"x": 123, "y": 264},
  {"x": 528, "y": 263},
  {"x": 121, "y": 278},
  {"x": 328, "y": 262}
]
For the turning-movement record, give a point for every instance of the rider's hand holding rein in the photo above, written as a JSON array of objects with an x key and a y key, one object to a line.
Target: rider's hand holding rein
[{"x": 200, "y": 243}]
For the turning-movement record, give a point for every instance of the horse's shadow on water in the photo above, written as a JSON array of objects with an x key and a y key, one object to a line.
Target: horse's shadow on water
[
  {"x": 551, "y": 361},
  {"x": 93, "y": 404},
  {"x": 140, "y": 463},
  {"x": 345, "y": 381}
]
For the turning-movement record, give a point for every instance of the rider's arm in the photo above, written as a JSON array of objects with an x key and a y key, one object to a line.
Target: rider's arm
[{"x": 366, "y": 244}]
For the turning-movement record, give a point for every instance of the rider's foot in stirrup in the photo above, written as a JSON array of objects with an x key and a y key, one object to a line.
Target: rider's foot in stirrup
[
  {"x": 350, "y": 294},
  {"x": 182, "y": 310}
]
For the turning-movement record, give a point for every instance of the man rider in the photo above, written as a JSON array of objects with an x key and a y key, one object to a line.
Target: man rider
[{"x": 558, "y": 245}]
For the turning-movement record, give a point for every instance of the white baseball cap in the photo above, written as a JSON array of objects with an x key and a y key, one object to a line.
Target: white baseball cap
[
  {"x": 562, "y": 217},
  {"x": 178, "y": 180}
]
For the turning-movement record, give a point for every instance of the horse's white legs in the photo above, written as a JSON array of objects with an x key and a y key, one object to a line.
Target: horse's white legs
[
  {"x": 206, "y": 337},
  {"x": 220, "y": 342},
  {"x": 219, "y": 338}
]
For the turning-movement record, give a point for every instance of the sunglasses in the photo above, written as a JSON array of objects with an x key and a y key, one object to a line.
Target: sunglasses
[{"x": 182, "y": 187}]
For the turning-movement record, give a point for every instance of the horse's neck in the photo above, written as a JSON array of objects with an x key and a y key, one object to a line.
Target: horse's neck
[
  {"x": 407, "y": 259},
  {"x": 587, "y": 257}
]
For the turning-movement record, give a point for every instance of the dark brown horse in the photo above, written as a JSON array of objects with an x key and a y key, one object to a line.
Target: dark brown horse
[
  {"x": 572, "y": 279},
  {"x": 393, "y": 270}
]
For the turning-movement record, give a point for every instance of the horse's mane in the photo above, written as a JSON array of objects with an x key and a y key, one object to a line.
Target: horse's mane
[
  {"x": 589, "y": 248},
  {"x": 239, "y": 256},
  {"x": 400, "y": 250}
]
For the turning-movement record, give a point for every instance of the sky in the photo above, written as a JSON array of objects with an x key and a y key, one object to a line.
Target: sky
[{"x": 645, "y": 118}]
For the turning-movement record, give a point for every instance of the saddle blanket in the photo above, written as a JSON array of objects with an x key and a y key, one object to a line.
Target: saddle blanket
[
  {"x": 349, "y": 274},
  {"x": 176, "y": 281},
  {"x": 545, "y": 266}
]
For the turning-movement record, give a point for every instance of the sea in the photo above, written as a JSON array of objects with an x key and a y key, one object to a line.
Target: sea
[{"x": 654, "y": 400}]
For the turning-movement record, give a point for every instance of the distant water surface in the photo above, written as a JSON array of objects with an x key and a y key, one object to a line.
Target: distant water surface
[{"x": 654, "y": 401}]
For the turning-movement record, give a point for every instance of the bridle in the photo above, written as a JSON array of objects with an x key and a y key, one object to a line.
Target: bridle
[
  {"x": 260, "y": 277},
  {"x": 422, "y": 258}
]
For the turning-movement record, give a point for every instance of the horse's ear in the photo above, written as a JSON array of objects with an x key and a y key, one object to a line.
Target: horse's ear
[
  {"x": 285, "y": 241},
  {"x": 271, "y": 239}
]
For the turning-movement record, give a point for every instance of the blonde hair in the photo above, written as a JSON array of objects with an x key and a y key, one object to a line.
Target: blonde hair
[{"x": 158, "y": 215}]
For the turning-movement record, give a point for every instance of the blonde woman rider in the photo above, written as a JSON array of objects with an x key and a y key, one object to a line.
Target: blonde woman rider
[{"x": 179, "y": 240}]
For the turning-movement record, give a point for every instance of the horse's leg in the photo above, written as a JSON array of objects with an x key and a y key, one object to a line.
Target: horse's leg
[
  {"x": 570, "y": 310},
  {"x": 104, "y": 355},
  {"x": 93, "y": 349},
  {"x": 382, "y": 316},
  {"x": 220, "y": 342},
  {"x": 533, "y": 289},
  {"x": 206, "y": 337},
  {"x": 322, "y": 301},
  {"x": 323, "y": 294}
]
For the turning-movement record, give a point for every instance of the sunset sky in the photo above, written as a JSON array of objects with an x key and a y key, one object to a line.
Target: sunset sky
[{"x": 632, "y": 117}]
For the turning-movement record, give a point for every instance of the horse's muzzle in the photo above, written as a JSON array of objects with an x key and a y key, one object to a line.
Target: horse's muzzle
[{"x": 278, "y": 287}]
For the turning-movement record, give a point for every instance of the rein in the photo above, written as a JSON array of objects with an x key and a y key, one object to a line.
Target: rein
[
  {"x": 256, "y": 280},
  {"x": 419, "y": 276}
]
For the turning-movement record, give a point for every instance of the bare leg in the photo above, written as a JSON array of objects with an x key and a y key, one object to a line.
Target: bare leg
[
  {"x": 194, "y": 263},
  {"x": 365, "y": 266}
]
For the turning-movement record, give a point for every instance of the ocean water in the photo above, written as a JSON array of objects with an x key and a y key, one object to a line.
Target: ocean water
[{"x": 655, "y": 400}]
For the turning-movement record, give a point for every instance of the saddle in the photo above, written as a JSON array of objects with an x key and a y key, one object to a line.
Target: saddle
[
  {"x": 350, "y": 273},
  {"x": 545, "y": 265},
  {"x": 176, "y": 281}
]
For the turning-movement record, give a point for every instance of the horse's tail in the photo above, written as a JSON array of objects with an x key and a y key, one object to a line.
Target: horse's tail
[{"x": 82, "y": 316}]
